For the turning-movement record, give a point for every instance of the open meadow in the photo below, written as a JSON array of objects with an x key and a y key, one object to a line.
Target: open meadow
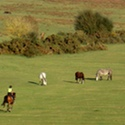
[{"x": 63, "y": 101}]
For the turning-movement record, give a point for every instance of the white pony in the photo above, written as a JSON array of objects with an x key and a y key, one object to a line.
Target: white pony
[
  {"x": 42, "y": 77},
  {"x": 103, "y": 72}
]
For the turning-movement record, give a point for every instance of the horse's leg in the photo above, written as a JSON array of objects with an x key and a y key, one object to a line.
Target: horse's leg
[
  {"x": 41, "y": 82},
  {"x": 97, "y": 78},
  {"x": 100, "y": 77},
  {"x": 3, "y": 103},
  {"x": 11, "y": 106},
  {"x": 77, "y": 80},
  {"x": 82, "y": 81},
  {"x": 110, "y": 77},
  {"x": 44, "y": 82},
  {"x": 8, "y": 108}
]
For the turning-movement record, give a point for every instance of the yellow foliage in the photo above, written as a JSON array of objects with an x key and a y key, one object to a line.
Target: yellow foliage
[
  {"x": 113, "y": 34},
  {"x": 19, "y": 26}
]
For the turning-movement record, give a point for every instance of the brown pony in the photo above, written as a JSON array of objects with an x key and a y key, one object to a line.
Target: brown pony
[
  {"x": 79, "y": 77},
  {"x": 9, "y": 99}
]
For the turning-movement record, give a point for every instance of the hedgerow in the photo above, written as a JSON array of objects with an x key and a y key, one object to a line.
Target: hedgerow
[{"x": 26, "y": 41}]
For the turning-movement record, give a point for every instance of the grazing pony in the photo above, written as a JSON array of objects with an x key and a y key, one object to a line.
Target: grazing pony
[
  {"x": 103, "y": 72},
  {"x": 9, "y": 99},
  {"x": 79, "y": 77},
  {"x": 42, "y": 77}
]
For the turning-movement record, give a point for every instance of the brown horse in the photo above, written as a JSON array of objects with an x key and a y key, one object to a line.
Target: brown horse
[
  {"x": 79, "y": 77},
  {"x": 9, "y": 100}
]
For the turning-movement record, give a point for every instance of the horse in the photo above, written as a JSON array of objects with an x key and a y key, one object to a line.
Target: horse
[
  {"x": 42, "y": 77},
  {"x": 103, "y": 72},
  {"x": 9, "y": 99},
  {"x": 79, "y": 77}
]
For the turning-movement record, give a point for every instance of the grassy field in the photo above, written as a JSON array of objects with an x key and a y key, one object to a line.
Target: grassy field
[{"x": 63, "y": 101}]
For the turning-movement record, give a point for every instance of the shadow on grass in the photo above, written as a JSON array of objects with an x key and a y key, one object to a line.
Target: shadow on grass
[
  {"x": 32, "y": 82},
  {"x": 2, "y": 110},
  {"x": 69, "y": 81},
  {"x": 93, "y": 79}
]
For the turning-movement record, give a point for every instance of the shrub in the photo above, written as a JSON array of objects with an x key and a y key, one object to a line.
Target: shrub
[
  {"x": 92, "y": 23},
  {"x": 20, "y": 26},
  {"x": 32, "y": 37},
  {"x": 20, "y": 47},
  {"x": 62, "y": 43}
]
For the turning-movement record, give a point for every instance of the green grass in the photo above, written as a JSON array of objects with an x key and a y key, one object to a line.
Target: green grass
[{"x": 63, "y": 101}]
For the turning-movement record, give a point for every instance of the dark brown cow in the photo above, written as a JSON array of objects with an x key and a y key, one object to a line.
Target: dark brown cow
[{"x": 79, "y": 77}]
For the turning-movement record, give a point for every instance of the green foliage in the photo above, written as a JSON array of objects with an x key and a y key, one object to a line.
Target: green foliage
[
  {"x": 32, "y": 37},
  {"x": 20, "y": 46},
  {"x": 92, "y": 23},
  {"x": 62, "y": 43},
  {"x": 113, "y": 37}
]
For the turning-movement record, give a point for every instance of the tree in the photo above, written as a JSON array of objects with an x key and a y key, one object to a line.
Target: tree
[
  {"x": 20, "y": 26},
  {"x": 92, "y": 23}
]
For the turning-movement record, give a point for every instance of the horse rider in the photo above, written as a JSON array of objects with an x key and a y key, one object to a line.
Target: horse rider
[{"x": 9, "y": 93}]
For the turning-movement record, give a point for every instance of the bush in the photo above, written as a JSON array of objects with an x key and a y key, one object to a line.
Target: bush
[
  {"x": 20, "y": 26},
  {"x": 92, "y": 23},
  {"x": 20, "y": 47},
  {"x": 32, "y": 37},
  {"x": 62, "y": 43}
]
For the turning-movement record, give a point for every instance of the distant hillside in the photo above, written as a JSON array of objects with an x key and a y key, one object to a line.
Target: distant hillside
[{"x": 54, "y": 16}]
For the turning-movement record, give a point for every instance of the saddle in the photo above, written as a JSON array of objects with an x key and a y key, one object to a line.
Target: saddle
[{"x": 6, "y": 98}]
